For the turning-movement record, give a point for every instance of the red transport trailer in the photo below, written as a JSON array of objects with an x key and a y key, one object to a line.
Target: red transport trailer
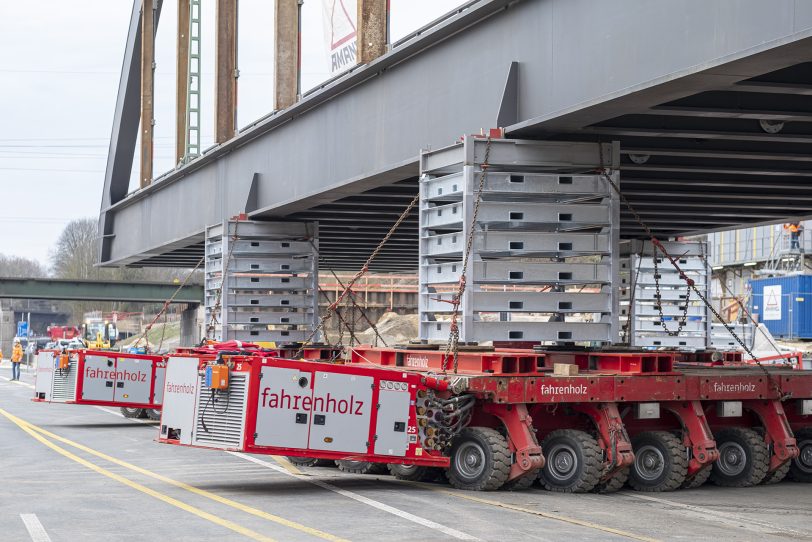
[
  {"x": 504, "y": 418},
  {"x": 133, "y": 382}
]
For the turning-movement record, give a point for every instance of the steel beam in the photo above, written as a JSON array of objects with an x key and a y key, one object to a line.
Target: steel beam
[
  {"x": 95, "y": 290},
  {"x": 225, "y": 71},
  {"x": 372, "y": 27},
  {"x": 147, "y": 89},
  {"x": 286, "y": 53}
]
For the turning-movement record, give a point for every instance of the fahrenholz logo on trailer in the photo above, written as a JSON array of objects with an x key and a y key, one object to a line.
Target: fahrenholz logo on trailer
[
  {"x": 329, "y": 404},
  {"x": 103, "y": 374},
  {"x": 737, "y": 387},
  {"x": 421, "y": 362},
  {"x": 188, "y": 389},
  {"x": 570, "y": 389}
]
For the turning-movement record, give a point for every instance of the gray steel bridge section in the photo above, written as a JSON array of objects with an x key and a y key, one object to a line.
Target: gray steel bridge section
[{"x": 682, "y": 86}]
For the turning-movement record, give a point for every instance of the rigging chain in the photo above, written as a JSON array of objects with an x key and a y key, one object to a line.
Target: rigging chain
[
  {"x": 334, "y": 305},
  {"x": 776, "y": 386},
  {"x": 452, "y": 346}
]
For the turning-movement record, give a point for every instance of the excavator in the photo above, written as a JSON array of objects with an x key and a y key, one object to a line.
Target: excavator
[{"x": 99, "y": 334}]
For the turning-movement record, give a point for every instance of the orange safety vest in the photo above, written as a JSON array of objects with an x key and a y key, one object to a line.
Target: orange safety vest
[
  {"x": 17, "y": 354},
  {"x": 793, "y": 228}
]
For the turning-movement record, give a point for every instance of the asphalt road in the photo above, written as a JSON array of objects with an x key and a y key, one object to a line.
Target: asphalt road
[{"x": 80, "y": 473}]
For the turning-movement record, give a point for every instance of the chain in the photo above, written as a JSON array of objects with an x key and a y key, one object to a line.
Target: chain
[
  {"x": 215, "y": 311},
  {"x": 167, "y": 303},
  {"x": 352, "y": 297},
  {"x": 776, "y": 386},
  {"x": 452, "y": 346},
  {"x": 681, "y": 321},
  {"x": 334, "y": 305}
]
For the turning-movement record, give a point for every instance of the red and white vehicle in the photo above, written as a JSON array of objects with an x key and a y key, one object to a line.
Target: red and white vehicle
[
  {"x": 134, "y": 382},
  {"x": 505, "y": 417}
]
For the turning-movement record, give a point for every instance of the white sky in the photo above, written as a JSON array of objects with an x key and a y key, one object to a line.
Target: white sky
[{"x": 59, "y": 68}]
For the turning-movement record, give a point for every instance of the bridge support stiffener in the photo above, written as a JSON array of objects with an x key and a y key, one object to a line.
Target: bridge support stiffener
[{"x": 269, "y": 277}]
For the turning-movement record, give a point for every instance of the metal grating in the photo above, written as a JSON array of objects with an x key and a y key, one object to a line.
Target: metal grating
[
  {"x": 64, "y": 383},
  {"x": 224, "y": 425},
  {"x": 543, "y": 256}
]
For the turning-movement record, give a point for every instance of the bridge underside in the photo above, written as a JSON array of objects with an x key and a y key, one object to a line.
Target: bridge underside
[{"x": 707, "y": 142}]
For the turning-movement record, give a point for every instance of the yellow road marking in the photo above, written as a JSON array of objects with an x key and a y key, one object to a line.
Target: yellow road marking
[
  {"x": 287, "y": 465},
  {"x": 135, "y": 485},
  {"x": 547, "y": 515},
  {"x": 202, "y": 492}
]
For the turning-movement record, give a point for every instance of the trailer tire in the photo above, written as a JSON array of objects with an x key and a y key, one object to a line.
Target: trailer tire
[
  {"x": 777, "y": 475},
  {"x": 660, "y": 462},
  {"x": 522, "y": 483},
  {"x": 128, "y": 412},
  {"x": 152, "y": 413},
  {"x": 699, "y": 478},
  {"x": 361, "y": 467},
  {"x": 310, "y": 461},
  {"x": 743, "y": 458},
  {"x": 480, "y": 460},
  {"x": 413, "y": 473},
  {"x": 800, "y": 469},
  {"x": 573, "y": 462},
  {"x": 615, "y": 483}
]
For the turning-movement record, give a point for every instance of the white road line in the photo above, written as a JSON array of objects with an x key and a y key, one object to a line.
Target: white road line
[
  {"x": 360, "y": 498},
  {"x": 738, "y": 521},
  {"x": 18, "y": 382},
  {"x": 35, "y": 529}
]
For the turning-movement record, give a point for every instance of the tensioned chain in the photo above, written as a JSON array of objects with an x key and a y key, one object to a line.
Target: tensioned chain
[
  {"x": 452, "y": 346},
  {"x": 632, "y": 288},
  {"x": 332, "y": 307},
  {"x": 681, "y": 321},
  {"x": 776, "y": 386}
]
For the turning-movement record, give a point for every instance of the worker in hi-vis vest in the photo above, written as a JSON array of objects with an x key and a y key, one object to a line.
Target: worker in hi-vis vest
[
  {"x": 794, "y": 229},
  {"x": 16, "y": 359}
]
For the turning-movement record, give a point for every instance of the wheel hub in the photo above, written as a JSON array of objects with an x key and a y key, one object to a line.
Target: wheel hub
[
  {"x": 649, "y": 462},
  {"x": 470, "y": 460},
  {"x": 805, "y": 458},
  {"x": 732, "y": 459},
  {"x": 562, "y": 461}
]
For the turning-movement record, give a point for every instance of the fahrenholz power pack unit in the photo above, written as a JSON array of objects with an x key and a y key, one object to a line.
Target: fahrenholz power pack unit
[
  {"x": 298, "y": 408},
  {"x": 103, "y": 378}
]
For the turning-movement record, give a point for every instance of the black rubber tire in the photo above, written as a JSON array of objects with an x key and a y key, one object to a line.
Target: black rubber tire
[
  {"x": 152, "y": 413},
  {"x": 310, "y": 461},
  {"x": 577, "y": 452},
  {"x": 800, "y": 469},
  {"x": 615, "y": 483},
  {"x": 699, "y": 478},
  {"x": 361, "y": 467},
  {"x": 777, "y": 475},
  {"x": 660, "y": 462},
  {"x": 414, "y": 473},
  {"x": 522, "y": 483},
  {"x": 132, "y": 412},
  {"x": 744, "y": 458},
  {"x": 480, "y": 460}
]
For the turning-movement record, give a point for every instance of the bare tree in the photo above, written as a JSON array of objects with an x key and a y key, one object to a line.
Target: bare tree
[{"x": 16, "y": 266}]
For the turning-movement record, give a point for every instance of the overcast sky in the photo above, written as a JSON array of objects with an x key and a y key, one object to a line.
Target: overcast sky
[{"x": 59, "y": 68}]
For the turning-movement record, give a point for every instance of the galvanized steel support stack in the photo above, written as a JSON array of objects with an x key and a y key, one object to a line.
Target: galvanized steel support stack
[{"x": 544, "y": 253}]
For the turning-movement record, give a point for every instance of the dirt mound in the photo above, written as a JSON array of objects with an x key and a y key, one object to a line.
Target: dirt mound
[{"x": 394, "y": 328}]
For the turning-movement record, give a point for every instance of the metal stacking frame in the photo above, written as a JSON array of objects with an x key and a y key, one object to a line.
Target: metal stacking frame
[
  {"x": 270, "y": 292},
  {"x": 639, "y": 294},
  {"x": 543, "y": 255}
]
